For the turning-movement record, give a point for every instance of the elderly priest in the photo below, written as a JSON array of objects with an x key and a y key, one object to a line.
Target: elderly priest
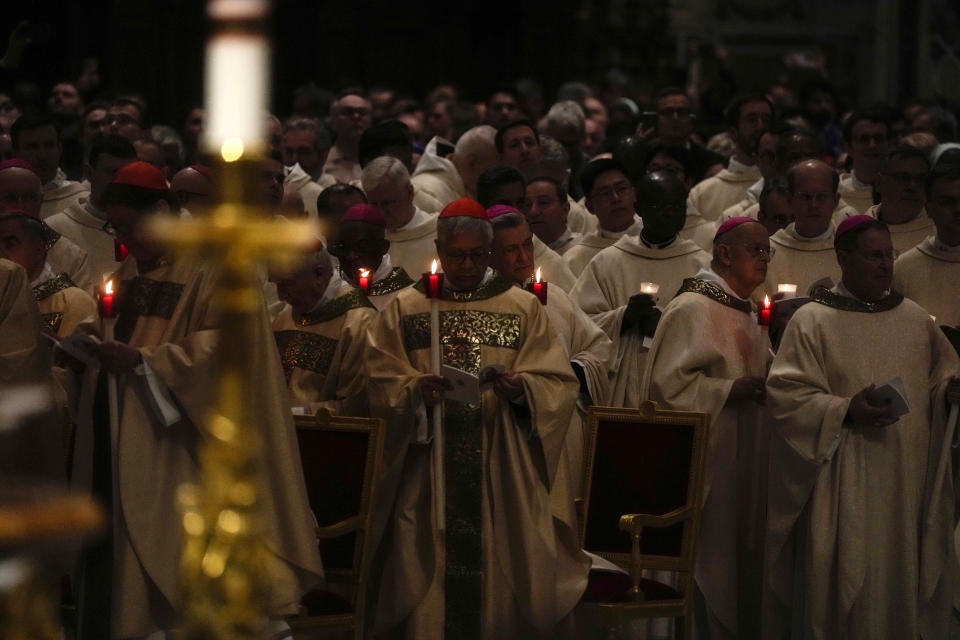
[
  {"x": 861, "y": 506},
  {"x": 492, "y": 566},
  {"x": 709, "y": 354}
]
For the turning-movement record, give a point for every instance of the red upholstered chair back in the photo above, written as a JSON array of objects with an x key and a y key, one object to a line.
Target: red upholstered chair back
[{"x": 642, "y": 461}]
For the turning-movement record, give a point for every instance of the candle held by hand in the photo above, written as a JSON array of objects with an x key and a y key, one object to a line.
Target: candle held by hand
[
  {"x": 106, "y": 301},
  {"x": 539, "y": 288},
  {"x": 432, "y": 282},
  {"x": 763, "y": 318}
]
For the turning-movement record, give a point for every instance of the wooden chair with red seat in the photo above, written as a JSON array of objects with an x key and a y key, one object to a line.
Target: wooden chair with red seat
[
  {"x": 341, "y": 457},
  {"x": 643, "y": 485}
]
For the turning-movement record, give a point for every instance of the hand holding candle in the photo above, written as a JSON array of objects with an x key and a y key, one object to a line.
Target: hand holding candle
[
  {"x": 652, "y": 289},
  {"x": 787, "y": 290},
  {"x": 432, "y": 282},
  {"x": 539, "y": 288}
]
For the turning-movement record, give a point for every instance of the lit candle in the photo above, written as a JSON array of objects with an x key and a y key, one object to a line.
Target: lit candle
[
  {"x": 119, "y": 251},
  {"x": 539, "y": 288},
  {"x": 764, "y": 318},
  {"x": 788, "y": 290},
  {"x": 364, "y": 279},
  {"x": 432, "y": 282},
  {"x": 107, "y": 306},
  {"x": 652, "y": 289}
]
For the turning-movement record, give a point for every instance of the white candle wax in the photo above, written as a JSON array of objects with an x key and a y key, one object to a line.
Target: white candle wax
[{"x": 788, "y": 290}]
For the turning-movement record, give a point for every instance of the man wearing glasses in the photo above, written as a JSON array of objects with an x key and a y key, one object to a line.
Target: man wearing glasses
[
  {"x": 612, "y": 199},
  {"x": 900, "y": 188},
  {"x": 461, "y": 576},
  {"x": 867, "y": 134},
  {"x": 349, "y": 118},
  {"x": 861, "y": 504}
]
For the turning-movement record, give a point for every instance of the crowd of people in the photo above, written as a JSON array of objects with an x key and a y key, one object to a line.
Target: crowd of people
[{"x": 827, "y": 511}]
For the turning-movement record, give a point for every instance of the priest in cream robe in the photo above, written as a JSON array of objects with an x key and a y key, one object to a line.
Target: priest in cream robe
[
  {"x": 499, "y": 564},
  {"x": 867, "y": 137},
  {"x": 320, "y": 334},
  {"x": 305, "y": 145},
  {"x": 165, "y": 338},
  {"x": 710, "y": 355},
  {"x": 548, "y": 212},
  {"x": 555, "y": 164},
  {"x": 20, "y": 191},
  {"x": 36, "y": 140},
  {"x": 62, "y": 305},
  {"x": 900, "y": 188},
  {"x": 82, "y": 222},
  {"x": 588, "y": 348},
  {"x": 411, "y": 231},
  {"x": 748, "y": 118},
  {"x": 612, "y": 199},
  {"x": 861, "y": 503},
  {"x": 447, "y": 172},
  {"x": 677, "y": 161},
  {"x": 803, "y": 251},
  {"x": 23, "y": 356},
  {"x": 611, "y": 288},
  {"x": 392, "y": 138},
  {"x": 929, "y": 274},
  {"x": 361, "y": 247},
  {"x": 506, "y": 186}
]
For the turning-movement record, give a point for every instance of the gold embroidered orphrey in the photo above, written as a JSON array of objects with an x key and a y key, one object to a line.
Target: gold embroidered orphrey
[
  {"x": 830, "y": 299},
  {"x": 309, "y": 351},
  {"x": 334, "y": 309},
  {"x": 715, "y": 293},
  {"x": 54, "y": 285}
]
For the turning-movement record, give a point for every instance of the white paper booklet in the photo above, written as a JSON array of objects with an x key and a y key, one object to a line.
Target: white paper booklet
[{"x": 894, "y": 394}]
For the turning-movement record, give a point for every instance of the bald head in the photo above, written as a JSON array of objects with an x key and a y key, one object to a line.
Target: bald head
[
  {"x": 813, "y": 196},
  {"x": 191, "y": 188},
  {"x": 741, "y": 256},
  {"x": 20, "y": 189},
  {"x": 475, "y": 153},
  {"x": 795, "y": 146}
]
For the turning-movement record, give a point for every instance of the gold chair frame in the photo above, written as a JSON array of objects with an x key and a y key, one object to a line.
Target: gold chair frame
[
  {"x": 360, "y": 523},
  {"x": 635, "y": 523}
]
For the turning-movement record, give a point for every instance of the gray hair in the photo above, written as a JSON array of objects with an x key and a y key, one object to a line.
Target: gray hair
[
  {"x": 554, "y": 153},
  {"x": 566, "y": 114},
  {"x": 319, "y": 258},
  {"x": 510, "y": 220},
  {"x": 384, "y": 170},
  {"x": 322, "y": 136},
  {"x": 475, "y": 140},
  {"x": 449, "y": 227}
]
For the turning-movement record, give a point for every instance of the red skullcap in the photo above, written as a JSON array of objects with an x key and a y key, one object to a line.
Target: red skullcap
[
  {"x": 202, "y": 169},
  {"x": 733, "y": 223},
  {"x": 498, "y": 210},
  {"x": 852, "y": 224},
  {"x": 464, "y": 207},
  {"x": 18, "y": 164},
  {"x": 140, "y": 174},
  {"x": 366, "y": 213}
]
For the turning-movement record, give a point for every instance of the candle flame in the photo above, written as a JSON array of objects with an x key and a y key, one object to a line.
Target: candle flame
[
  {"x": 108, "y": 289},
  {"x": 433, "y": 267},
  {"x": 364, "y": 273},
  {"x": 538, "y": 274},
  {"x": 766, "y": 302}
]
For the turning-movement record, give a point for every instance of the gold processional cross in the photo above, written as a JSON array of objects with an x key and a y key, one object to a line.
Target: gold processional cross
[{"x": 224, "y": 563}]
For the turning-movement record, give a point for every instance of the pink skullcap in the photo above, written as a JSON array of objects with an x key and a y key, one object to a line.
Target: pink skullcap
[
  {"x": 464, "y": 207},
  {"x": 732, "y": 223},
  {"x": 498, "y": 210},
  {"x": 18, "y": 164},
  {"x": 366, "y": 213},
  {"x": 140, "y": 174},
  {"x": 852, "y": 224},
  {"x": 202, "y": 169}
]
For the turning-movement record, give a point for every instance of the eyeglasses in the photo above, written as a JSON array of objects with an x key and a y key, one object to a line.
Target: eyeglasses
[
  {"x": 757, "y": 250},
  {"x": 476, "y": 257},
  {"x": 666, "y": 168},
  {"x": 349, "y": 112},
  {"x": 121, "y": 118},
  {"x": 607, "y": 193},
  {"x": 114, "y": 230},
  {"x": 669, "y": 112}
]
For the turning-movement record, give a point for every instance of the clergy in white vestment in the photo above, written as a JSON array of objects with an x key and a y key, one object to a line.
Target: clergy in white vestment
[
  {"x": 507, "y": 186},
  {"x": 588, "y": 348},
  {"x": 392, "y": 138},
  {"x": 867, "y": 137},
  {"x": 410, "y": 230},
  {"x": 23, "y": 354},
  {"x": 332, "y": 203},
  {"x": 548, "y": 211},
  {"x": 747, "y": 118},
  {"x": 62, "y": 304},
  {"x": 620, "y": 287},
  {"x": 36, "y": 140},
  {"x": 489, "y": 562},
  {"x": 447, "y": 172},
  {"x": 612, "y": 199},
  {"x": 861, "y": 503},
  {"x": 929, "y": 274},
  {"x": 899, "y": 186},
  {"x": 710, "y": 355},
  {"x": 677, "y": 161},
  {"x": 83, "y": 222},
  {"x": 803, "y": 251},
  {"x": 350, "y": 116},
  {"x": 361, "y": 248},
  {"x": 162, "y": 354},
  {"x": 20, "y": 190}
]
